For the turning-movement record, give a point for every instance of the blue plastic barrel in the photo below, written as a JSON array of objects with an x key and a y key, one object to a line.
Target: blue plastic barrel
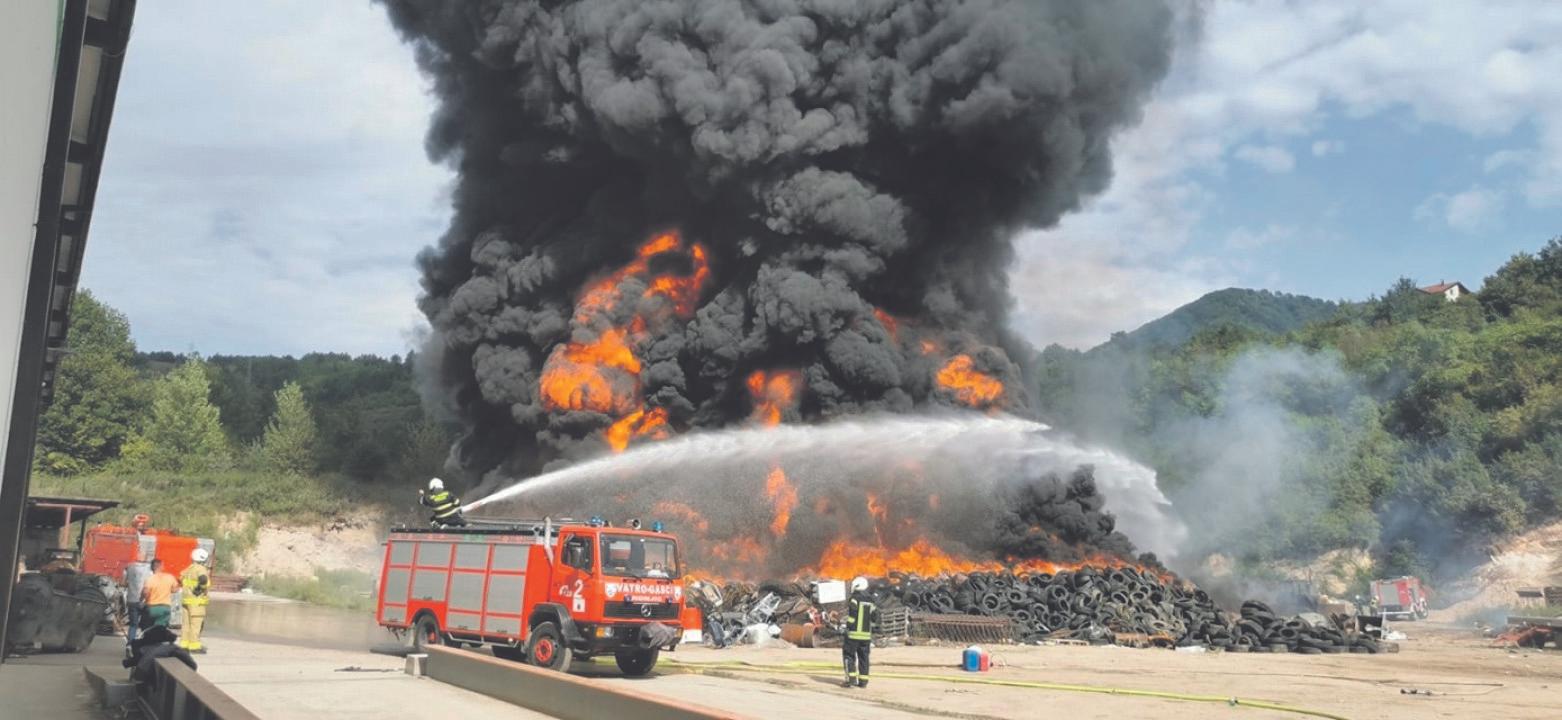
[{"x": 971, "y": 661}]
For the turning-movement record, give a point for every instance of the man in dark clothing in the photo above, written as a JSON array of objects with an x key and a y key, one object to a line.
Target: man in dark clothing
[
  {"x": 157, "y": 642},
  {"x": 861, "y": 615},
  {"x": 446, "y": 506}
]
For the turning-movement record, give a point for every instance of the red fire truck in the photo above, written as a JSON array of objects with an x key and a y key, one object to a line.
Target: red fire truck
[
  {"x": 1400, "y": 598},
  {"x": 542, "y": 592}
]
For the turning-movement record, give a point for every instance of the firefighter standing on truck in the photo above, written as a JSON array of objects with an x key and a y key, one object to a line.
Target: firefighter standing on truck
[
  {"x": 196, "y": 580},
  {"x": 861, "y": 616},
  {"x": 446, "y": 506}
]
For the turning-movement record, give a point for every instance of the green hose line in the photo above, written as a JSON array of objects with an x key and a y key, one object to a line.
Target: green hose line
[{"x": 811, "y": 668}]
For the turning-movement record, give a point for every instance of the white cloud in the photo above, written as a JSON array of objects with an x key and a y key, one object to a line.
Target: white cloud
[
  {"x": 1269, "y": 73},
  {"x": 1504, "y": 159},
  {"x": 1271, "y": 158},
  {"x": 1075, "y": 291},
  {"x": 1246, "y": 239},
  {"x": 1474, "y": 209},
  {"x": 265, "y": 187},
  {"x": 1322, "y": 148}
]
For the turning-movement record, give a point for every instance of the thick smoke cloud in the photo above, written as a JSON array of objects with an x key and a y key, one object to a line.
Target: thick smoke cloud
[{"x": 853, "y": 170}]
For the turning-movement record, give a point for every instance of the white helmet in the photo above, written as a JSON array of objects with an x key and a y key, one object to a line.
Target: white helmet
[
  {"x": 199, "y": 555},
  {"x": 859, "y": 584},
  {"x": 436, "y": 484}
]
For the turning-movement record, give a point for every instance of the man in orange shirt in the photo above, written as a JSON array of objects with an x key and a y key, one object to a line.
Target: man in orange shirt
[{"x": 157, "y": 595}]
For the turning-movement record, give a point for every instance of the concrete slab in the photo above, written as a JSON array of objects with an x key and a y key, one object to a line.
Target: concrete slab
[
  {"x": 280, "y": 682},
  {"x": 53, "y": 686}
]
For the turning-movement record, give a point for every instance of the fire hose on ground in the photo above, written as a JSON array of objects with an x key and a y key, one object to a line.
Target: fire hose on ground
[{"x": 813, "y": 668}]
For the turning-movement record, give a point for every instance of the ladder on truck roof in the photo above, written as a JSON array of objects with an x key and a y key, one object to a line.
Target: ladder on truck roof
[{"x": 497, "y": 526}]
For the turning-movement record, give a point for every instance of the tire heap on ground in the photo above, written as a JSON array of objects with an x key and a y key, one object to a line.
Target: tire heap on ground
[
  {"x": 1088, "y": 604},
  {"x": 1260, "y": 630},
  {"x": 1095, "y": 605}
]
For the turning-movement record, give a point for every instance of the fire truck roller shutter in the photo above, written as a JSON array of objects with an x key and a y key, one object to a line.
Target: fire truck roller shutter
[
  {"x": 511, "y": 558},
  {"x": 466, "y": 591},
  {"x": 470, "y": 622},
  {"x": 429, "y": 584},
  {"x": 148, "y": 547},
  {"x": 504, "y": 594},
  {"x": 401, "y": 553},
  {"x": 396, "y": 585},
  {"x": 472, "y": 556},
  {"x": 434, "y": 554},
  {"x": 394, "y": 615},
  {"x": 503, "y": 626}
]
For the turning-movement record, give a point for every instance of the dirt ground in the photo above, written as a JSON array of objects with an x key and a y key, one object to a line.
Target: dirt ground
[
  {"x": 291, "y": 550},
  {"x": 1467, "y": 678}
]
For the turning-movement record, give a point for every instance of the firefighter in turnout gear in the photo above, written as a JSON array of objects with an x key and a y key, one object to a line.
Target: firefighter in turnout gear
[
  {"x": 446, "y": 506},
  {"x": 196, "y": 581},
  {"x": 861, "y": 616}
]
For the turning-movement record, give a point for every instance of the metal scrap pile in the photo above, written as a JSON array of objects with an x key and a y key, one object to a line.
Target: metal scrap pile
[
  {"x": 1125, "y": 606},
  {"x": 738, "y": 612}
]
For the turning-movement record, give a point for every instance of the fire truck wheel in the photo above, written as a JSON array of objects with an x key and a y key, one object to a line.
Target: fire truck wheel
[
  {"x": 636, "y": 662},
  {"x": 425, "y": 632},
  {"x": 546, "y": 648}
]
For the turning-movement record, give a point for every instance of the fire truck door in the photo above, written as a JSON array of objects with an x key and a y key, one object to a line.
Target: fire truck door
[{"x": 576, "y": 565}]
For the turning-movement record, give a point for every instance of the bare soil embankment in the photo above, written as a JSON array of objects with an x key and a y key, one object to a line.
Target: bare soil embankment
[{"x": 351, "y": 542}]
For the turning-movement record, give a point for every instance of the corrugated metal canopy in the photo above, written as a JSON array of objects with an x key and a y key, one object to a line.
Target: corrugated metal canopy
[{"x": 97, "y": 80}]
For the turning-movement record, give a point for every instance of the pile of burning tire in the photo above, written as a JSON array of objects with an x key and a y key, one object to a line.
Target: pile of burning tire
[{"x": 1099, "y": 605}]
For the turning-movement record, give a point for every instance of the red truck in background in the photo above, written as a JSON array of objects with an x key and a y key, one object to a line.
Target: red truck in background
[
  {"x": 108, "y": 549},
  {"x": 1400, "y": 598},
  {"x": 542, "y": 592}
]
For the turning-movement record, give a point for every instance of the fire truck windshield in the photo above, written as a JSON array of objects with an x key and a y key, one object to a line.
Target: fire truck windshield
[{"x": 641, "y": 557}]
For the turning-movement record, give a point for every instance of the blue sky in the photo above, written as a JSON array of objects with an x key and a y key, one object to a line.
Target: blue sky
[{"x": 265, "y": 189}]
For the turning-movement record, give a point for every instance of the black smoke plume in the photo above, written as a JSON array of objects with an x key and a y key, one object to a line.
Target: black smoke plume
[{"x": 854, "y": 170}]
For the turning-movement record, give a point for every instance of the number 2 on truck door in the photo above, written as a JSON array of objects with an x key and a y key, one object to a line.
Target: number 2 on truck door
[{"x": 579, "y": 562}]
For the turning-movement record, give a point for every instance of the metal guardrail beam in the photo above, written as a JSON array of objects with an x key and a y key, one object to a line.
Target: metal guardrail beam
[
  {"x": 176, "y": 692},
  {"x": 554, "y": 693}
]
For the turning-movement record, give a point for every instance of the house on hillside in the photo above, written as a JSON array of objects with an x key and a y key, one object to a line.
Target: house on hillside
[{"x": 1450, "y": 290}]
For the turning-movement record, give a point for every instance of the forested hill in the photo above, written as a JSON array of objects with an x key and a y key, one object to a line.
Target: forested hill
[
  {"x": 1259, "y": 311},
  {"x": 1413, "y": 427},
  {"x": 365, "y": 408}
]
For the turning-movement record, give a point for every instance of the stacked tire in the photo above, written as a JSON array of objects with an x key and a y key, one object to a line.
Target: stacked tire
[
  {"x": 1086, "y": 604},
  {"x": 1259, "y": 629}
]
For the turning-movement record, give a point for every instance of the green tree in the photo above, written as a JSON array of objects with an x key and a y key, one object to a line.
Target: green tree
[
  {"x": 184, "y": 431},
  {"x": 426, "y": 451},
  {"x": 97, "y": 394},
  {"x": 289, "y": 443}
]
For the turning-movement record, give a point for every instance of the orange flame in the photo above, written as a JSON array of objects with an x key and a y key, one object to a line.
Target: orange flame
[
  {"x": 683, "y": 514},
  {"x": 970, "y": 386},
  {"x": 742, "y": 551},
  {"x": 783, "y": 496},
  {"x": 603, "y": 375},
  {"x": 889, "y": 322},
  {"x": 638, "y": 424},
  {"x": 929, "y": 346},
  {"x": 683, "y": 292},
  {"x": 843, "y": 559},
  {"x": 773, "y": 393}
]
